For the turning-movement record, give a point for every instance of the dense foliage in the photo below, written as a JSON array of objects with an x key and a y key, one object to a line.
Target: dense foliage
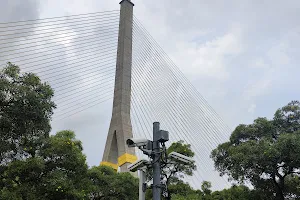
[
  {"x": 25, "y": 113},
  {"x": 266, "y": 153},
  {"x": 35, "y": 165}
]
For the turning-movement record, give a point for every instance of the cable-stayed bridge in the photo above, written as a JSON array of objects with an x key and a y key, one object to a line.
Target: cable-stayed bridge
[{"x": 77, "y": 55}]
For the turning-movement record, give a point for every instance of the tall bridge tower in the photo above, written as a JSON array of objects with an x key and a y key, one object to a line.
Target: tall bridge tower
[{"x": 116, "y": 153}]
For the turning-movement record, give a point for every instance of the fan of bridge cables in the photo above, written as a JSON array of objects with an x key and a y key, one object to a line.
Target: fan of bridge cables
[
  {"x": 161, "y": 92},
  {"x": 76, "y": 55}
]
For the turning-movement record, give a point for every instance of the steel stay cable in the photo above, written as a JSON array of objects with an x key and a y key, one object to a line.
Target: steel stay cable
[
  {"x": 53, "y": 35},
  {"x": 66, "y": 25},
  {"x": 157, "y": 95},
  {"x": 213, "y": 116},
  {"x": 75, "y": 81},
  {"x": 77, "y": 69},
  {"x": 88, "y": 69},
  {"x": 184, "y": 90},
  {"x": 92, "y": 72},
  {"x": 67, "y": 97},
  {"x": 76, "y": 88},
  {"x": 76, "y": 105},
  {"x": 64, "y": 50},
  {"x": 72, "y": 67},
  {"x": 68, "y": 18},
  {"x": 84, "y": 86},
  {"x": 79, "y": 100},
  {"x": 80, "y": 110},
  {"x": 77, "y": 42},
  {"x": 84, "y": 38},
  {"x": 148, "y": 45},
  {"x": 17, "y": 52},
  {"x": 93, "y": 75},
  {"x": 49, "y": 69},
  {"x": 141, "y": 110},
  {"x": 136, "y": 130},
  {"x": 147, "y": 116},
  {"x": 137, "y": 116},
  {"x": 170, "y": 124},
  {"x": 56, "y": 29},
  {"x": 149, "y": 110},
  {"x": 94, "y": 59},
  {"x": 186, "y": 140},
  {"x": 109, "y": 52},
  {"x": 182, "y": 105},
  {"x": 166, "y": 122},
  {"x": 193, "y": 89},
  {"x": 201, "y": 108},
  {"x": 44, "y": 51},
  {"x": 14, "y": 22},
  {"x": 170, "y": 97}
]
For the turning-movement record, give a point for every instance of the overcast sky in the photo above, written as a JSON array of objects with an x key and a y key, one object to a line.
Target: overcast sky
[{"x": 242, "y": 56}]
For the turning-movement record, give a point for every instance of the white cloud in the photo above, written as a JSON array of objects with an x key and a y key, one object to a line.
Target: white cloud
[
  {"x": 252, "y": 108},
  {"x": 210, "y": 58},
  {"x": 278, "y": 54},
  {"x": 259, "y": 63},
  {"x": 257, "y": 88}
]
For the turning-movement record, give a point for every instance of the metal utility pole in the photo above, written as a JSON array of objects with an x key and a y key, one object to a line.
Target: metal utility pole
[
  {"x": 116, "y": 153},
  {"x": 154, "y": 151},
  {"x": 156, "y": 162},
  {"x": 142, "y": 184}
]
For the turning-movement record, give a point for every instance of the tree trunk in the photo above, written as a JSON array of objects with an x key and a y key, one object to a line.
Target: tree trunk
[
  {"x": 279, "y": 195},
  {"x": 279, "y": 187}
]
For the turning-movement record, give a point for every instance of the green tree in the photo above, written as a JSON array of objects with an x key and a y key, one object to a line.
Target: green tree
[
  {"x": 25, "y": 112},
  {"x": 34, "y": 165},
  {"x": 21, "y": 179},
  {"x": 173, "y": 173},
  {"x": 206, "y": 187},
  {"x": 107, "y": 184},
  {"x": 58, "y": 171},
  {"x": 65, "y": 174},
  {"x": 235, "y": 192},
  {"x": 266, "y": 153}
]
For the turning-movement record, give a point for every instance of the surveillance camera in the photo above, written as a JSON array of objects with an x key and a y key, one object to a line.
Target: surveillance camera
[
  {"x": 138, "y": 165},
  {"x": 181, "y": 157},
  {"x": 136, "y": 142},
  {"x": 163, "y": 136}
]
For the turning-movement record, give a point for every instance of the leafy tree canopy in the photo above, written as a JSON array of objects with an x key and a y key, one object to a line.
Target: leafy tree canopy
[
  {"x": 25, "y": 112},
  {"x": 266, "y": 153},
  {"x": 34, "y": 165}
]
